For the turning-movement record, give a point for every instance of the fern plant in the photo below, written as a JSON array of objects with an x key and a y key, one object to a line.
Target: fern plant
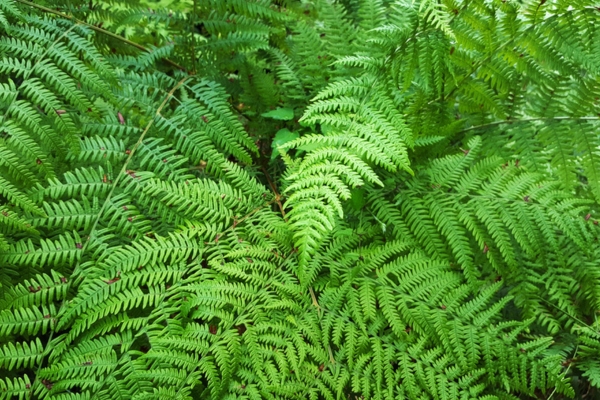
[{"x": 349, "y": 199}]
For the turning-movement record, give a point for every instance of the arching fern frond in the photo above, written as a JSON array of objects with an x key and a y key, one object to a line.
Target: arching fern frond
[{"x": 288, "y": 200}]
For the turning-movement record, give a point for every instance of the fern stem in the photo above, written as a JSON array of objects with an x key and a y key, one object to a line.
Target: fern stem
[
  {"x": 98, "y": 29},
  {"x": 496, "y": 123},
  {"x": 193, "y": 37},
  {"x": 95, "y": 224},
  {"x": 315, "y": 303},
  {"x": 124, "y": 168},
  {"x": 245, "y": 217},
  {"x": 565, "y": 374},
  {"x": 274, "y": 189},
  {"x": 584, "y": 325}
]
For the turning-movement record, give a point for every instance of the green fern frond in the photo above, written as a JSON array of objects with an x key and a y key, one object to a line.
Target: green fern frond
[{"x": 275, "y": 199}]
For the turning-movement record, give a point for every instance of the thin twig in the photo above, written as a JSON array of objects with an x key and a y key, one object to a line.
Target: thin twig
[
  {"x": 516, "y": 121},
  {"x": 97, "y": 29}
]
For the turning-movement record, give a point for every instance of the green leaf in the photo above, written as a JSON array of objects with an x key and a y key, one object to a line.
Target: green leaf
[
  {"x": 358, "y": 198},
  {"x": 285, "y": 114},
  {"x": 282, "y": 137}
]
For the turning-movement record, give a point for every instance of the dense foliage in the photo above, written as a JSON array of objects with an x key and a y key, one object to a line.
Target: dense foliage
[{"x": 299, "y": 199}]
